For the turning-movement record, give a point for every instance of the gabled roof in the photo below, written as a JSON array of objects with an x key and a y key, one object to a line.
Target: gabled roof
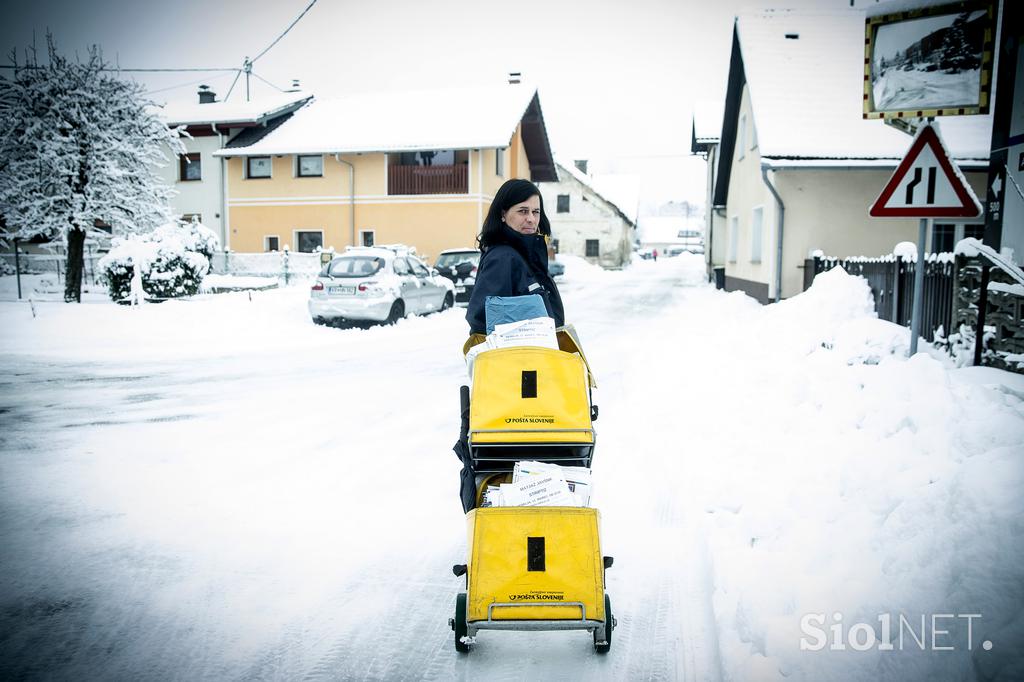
[
  {"x": 707, "y": 125},
  {"x": 480, "y": 118},
  {"x": 806, "y": 94},
  {"x": 620, "y": 192},
  {"x": 224, "y": 113}
]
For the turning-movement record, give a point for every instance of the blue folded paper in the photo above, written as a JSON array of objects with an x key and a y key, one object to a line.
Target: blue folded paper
[{"x": 505, "y": 309}]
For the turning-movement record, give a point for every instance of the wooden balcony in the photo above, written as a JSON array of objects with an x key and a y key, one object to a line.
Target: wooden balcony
[{"x": 428, "y": 179}]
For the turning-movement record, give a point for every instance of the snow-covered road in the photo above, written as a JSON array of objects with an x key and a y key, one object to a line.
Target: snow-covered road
[{"x": 218, "y": 489}]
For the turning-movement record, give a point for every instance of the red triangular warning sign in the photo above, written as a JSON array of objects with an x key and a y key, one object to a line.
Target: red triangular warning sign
[{"x": 927, "y": 184}]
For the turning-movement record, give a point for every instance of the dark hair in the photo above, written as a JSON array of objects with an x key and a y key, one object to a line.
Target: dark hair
[{"x": 508, "y": 195}]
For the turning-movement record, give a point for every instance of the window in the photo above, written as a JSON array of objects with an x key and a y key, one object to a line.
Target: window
[
  {"x": 271, "y": 243},
  {"x": 418, "y": 268},
  {"x": 309, "y": 240},
  {"x": 499, "y": 161},
  {"x": 554, "y": 245},
  {"x": 593, "y": 248},
  {"x": 753, "y": 135},
  {"x": 943, "y": 236},
  {"x": 401, "y": 267},
  {"x": 742, "y": 135},
  {"x": 755, "y": 235},
  {"x": 976, "y": 231},
  {"x": 354, "y": 266},
  {"x": 946, "y": 235},
  {"x": 189, "y": 167},
  {"x": 192, "y": 217},
  {"x": 451, "y": 260},
  {"x": 366, "y": 237},
  {"x": 563, "y": 203},
  {"x": 257, "y": 167},
  {"x": 734, "y": 235},
  {"x": 432, "y": 157},
  {"x": 310, "y": 166}
]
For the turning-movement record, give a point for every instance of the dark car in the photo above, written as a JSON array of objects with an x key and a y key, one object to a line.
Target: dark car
[
  {"x": 459, "y": 265},
  {"x": 556, "y": 268}
]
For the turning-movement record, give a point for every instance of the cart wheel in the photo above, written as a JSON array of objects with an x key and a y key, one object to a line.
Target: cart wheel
[
  {"x": 609, "y": 624},
  {"x": 461, "y": 629}
]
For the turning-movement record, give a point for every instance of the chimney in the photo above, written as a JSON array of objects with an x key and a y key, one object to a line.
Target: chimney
[
  {"x": 295, "y": 86},
  {"x": 206, "y": 95},
  {"x": 581, "y": 164},
  {"x": 514, "y": 77}
]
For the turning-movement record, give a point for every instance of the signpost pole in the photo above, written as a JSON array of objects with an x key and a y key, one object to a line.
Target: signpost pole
[
  {"x": 915, "y": 314},
  {"x": 17, "y": 267}
]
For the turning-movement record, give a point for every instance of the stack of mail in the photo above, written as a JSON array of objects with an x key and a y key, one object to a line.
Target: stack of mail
[
  {"x": 538, "y": 484},
  {"x": 537, "y": 331}
]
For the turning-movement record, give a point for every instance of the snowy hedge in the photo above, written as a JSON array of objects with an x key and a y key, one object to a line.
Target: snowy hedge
[{"x": 172, "y": 261}]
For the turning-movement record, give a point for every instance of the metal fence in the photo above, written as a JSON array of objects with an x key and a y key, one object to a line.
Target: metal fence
[
  {"x": 284, "y": 265},
  {"x": 892, "y": 285},
  {"x": 277, "y": 264},
  {"x": 49, "y": 264}
]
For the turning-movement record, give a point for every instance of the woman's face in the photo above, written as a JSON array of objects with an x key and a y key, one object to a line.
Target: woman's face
[{"x": 524, "y": 217}]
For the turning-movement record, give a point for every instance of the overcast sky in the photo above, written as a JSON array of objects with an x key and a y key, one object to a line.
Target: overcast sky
[{"x": 617, "y": 80}]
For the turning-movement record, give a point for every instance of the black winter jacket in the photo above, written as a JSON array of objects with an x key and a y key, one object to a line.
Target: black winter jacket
[{"x": 513, "y": 266}]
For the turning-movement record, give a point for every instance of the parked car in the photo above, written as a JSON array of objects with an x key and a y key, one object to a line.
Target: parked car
[
  {"x": 556, "y": 268},
  {"x": 377, "y": 284},
  {"x": 459, "y": 266}
]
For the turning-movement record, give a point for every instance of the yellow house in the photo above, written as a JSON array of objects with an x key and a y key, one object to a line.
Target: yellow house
[{"x": 418, "y": 168}]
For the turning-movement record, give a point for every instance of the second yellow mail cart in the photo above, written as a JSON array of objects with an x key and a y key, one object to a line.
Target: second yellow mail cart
[{"x": 531, "y": 568}]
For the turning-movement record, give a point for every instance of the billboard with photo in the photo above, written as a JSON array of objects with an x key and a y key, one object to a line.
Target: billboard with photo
[{"x": 935, "y": 61}]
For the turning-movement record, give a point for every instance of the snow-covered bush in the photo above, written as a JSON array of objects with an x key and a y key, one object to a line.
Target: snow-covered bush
[
  {"x": 193, "y": 235},
  {"x": 167, "y": 263}
]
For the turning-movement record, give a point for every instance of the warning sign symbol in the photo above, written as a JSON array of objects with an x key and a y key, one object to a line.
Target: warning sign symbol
[{"x": 927, "y": 184}]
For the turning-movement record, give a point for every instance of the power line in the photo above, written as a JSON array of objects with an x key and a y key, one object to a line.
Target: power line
[
  {"x": 267, "y": 82},
  {"x": 308, "y": 7},
  {"x": 183, "y": 85},
  {"x": 112, "y": 68},
  {"x": 228, "y": 96},
  {"x": 246, "y": 67}
]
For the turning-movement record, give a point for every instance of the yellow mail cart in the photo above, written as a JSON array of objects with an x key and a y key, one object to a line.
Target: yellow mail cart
[{"x": 532, "y": 568}]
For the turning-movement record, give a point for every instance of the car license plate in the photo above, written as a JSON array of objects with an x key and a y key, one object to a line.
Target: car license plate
[
  {"x": 342, "y": 290},
  {"x": 460, "y": 289}
]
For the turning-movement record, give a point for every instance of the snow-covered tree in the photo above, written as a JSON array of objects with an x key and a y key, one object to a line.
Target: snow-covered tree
[
  {"x": 956, "y": 53},
  {"x": 78, "y": 148}
]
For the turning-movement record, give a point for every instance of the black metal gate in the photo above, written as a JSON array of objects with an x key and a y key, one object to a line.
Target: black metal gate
[{"x": 892, "y": 286}]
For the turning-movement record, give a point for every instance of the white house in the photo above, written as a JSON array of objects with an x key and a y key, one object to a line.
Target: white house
[
  {"x": 199, "y": 176},
  {"x": 671, "y": 230},
  {"x": 586, "y": 222},
  {"x": 799, "y": 165},
  {"x": 704, "y": 140}
]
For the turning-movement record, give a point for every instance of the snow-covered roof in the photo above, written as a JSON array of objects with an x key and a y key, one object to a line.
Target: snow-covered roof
[
  {"x": 399, "y": 121},
  {"x": 622, "y": 192},
  {"x": 807, "y": 92},
  {"x": 707, "y": 120},
  {"x": 255, "y": 111}
]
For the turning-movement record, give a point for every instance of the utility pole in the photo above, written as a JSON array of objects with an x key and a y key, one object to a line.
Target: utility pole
[{"x": 247, "y": 67}]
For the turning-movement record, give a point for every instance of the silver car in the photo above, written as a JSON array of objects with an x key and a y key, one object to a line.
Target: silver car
[{"x": 377, "y": 284}]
